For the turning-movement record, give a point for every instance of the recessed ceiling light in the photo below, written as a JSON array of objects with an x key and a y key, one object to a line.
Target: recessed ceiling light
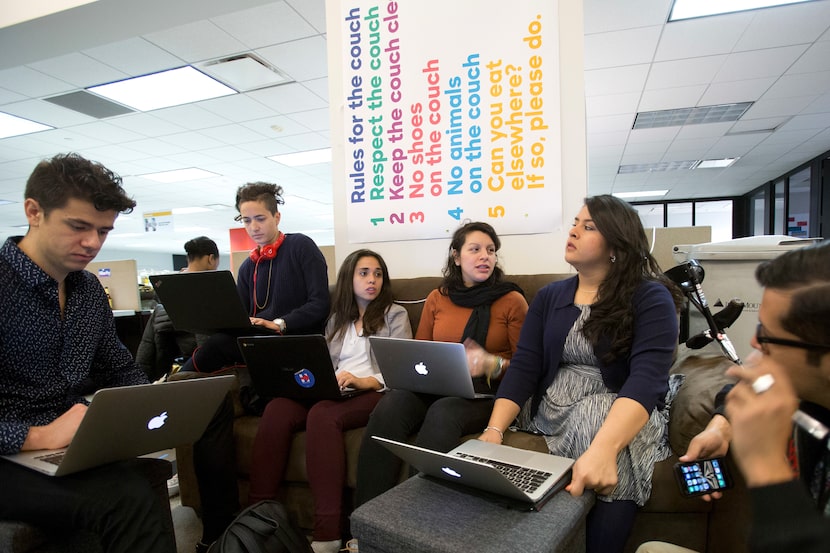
[
  {"x": 716, "y": 163},
  {"x": 161, "y": 90},
  {"x": 687, "y": 9},
  {"x": 641, "y": 194},
  {"x": 303, "y": 158},
  {"x": 11, "y": 125},
  {"x": 179, "y": 175}
]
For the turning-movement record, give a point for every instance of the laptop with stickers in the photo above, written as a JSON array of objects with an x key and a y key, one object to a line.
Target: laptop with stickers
[
  {"x": 517, "y": 478},
  {"x": 296, "y": 367},
  {"x": 424, "y": 366},
  {"x": 125, "y": 422}
]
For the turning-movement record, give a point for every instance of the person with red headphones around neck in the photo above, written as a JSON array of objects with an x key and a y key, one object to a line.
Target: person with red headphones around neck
[
  {"x": 283, "y": 283},
  {"x": 284, "y": 286}
]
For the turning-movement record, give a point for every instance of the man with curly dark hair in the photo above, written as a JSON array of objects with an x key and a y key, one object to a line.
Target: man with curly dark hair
[{"x": 57, "y": 333}]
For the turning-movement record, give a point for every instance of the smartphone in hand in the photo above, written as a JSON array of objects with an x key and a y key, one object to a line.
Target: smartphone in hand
[{"x": 702, "y": 476}]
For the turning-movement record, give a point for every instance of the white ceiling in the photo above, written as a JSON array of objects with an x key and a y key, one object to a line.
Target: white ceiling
[{"x": 778, "y": 58}]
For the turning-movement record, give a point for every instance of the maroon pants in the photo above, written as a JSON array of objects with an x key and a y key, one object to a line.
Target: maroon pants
[{"x": 324, "y": 422}]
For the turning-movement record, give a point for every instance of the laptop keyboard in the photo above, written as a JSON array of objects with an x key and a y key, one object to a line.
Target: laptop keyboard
[
  {"x": 526, "y": 479},
  {"x": 53, "y": 458}
]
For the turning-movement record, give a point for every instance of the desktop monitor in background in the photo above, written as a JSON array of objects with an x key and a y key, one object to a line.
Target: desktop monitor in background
[{"x": 120, "y": 279}]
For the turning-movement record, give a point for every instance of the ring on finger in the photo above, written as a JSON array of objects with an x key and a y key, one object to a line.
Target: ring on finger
[{"x": 763, "y": 383}]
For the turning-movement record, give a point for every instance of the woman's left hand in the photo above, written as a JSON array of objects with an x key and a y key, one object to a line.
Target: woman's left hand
[{"x": 594, "y": 470}]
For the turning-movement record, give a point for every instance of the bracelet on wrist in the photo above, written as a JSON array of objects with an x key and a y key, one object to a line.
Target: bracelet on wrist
[{"x": 496, "y": 428}]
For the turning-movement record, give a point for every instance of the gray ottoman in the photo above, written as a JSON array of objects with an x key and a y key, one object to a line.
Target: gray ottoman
[{"x": 424, "y": 516}]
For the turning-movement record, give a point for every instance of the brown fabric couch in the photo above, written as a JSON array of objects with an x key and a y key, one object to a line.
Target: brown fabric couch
[{"x": 721, "y": 526}]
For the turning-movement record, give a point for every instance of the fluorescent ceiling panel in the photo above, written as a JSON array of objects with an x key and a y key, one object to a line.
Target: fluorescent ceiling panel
[
  {"x": 690, "y": 116},
  {"x": 641, "y": 194},
  {"x": 179, "y": 175},
  {"x": 165, "y": 89},
  {"x": 303, "y": 158},
  {"x": 688, "y": 9},
  {"x": 11, "y": 125},
  {"x": 716, "y": 163}
]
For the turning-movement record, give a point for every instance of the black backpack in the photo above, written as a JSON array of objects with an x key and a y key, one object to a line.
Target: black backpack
[{"x": 262, "y": 527}]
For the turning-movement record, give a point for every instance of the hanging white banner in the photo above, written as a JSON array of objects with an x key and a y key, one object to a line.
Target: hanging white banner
[{"x": 451, "y": 113}]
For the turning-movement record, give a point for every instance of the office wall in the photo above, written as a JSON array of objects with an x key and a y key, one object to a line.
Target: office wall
[{"x": 520, "y": 254}]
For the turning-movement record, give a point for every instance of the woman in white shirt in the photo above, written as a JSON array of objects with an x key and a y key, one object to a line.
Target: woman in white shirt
[{"x": 361, "y": 307}]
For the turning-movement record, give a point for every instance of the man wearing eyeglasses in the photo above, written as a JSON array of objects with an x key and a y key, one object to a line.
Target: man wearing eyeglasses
[{"x": 786, "y": 380}]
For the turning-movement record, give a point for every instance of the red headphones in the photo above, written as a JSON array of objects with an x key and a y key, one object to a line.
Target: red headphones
[{"x": 267, "y": 252}]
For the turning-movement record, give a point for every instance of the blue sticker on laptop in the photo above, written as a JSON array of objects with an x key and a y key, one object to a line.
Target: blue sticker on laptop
[{"x": 304, "y": 378}]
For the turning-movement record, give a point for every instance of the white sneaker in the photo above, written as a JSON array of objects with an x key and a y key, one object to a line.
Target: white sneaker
[
  {"x": 332, "y": 546},
  {"x": 173, "y": 486}
]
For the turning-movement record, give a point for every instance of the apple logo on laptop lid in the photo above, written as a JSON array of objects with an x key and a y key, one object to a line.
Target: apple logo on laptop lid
[
  {"x": 157, "y": 421},
  {"x": 450, "y": 472},
  {"x": 421, "y": 368}
]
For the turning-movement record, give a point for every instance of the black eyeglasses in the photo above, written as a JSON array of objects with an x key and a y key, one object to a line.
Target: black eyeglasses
[{"x": 761, "y": 339}]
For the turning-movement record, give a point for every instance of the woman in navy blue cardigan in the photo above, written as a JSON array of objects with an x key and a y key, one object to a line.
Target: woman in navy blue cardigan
[{"x": 592, "y": 366}]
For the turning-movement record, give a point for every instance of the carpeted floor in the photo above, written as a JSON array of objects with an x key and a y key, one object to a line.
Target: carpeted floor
[{"x": 187, "y": 525}]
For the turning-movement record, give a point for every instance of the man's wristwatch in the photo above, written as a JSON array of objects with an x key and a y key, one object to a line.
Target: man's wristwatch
[{"x": 280, "y": 324}]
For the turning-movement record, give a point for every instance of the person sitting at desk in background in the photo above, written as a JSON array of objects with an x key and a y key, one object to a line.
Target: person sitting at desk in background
[
  {"x": 161, "y": 344},
  {"x": 361, "y": 307},
  {"x": 474, "y": 305},
  {"x": 57, "y": 331},
  {"x": 283, "y": 283},
  {"x": 591, "y": 371},
  {"x": 786, "y": 466}
]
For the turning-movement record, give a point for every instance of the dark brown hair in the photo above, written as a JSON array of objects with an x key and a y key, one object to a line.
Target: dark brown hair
[{"x": 344, "y": 310}]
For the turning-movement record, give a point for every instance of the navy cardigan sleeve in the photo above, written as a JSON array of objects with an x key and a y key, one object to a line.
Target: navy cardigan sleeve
[{"x": 642, "y": 376}]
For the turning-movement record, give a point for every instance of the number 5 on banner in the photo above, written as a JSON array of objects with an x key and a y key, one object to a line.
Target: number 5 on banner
[{"x": 496, "y": 211}]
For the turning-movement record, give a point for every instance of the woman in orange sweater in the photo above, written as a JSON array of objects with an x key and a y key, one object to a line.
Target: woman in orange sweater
[{"x": 474, "y": 305}]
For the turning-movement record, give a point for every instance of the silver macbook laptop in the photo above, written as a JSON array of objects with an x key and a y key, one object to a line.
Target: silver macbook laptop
[
  {"x": 425, "y": 366},
  {"x": 204, "y": 301},
  {"x": 517, "y": 477},
  {"x": 122, "y": 423},
  {"x": 296, "y": 367}
]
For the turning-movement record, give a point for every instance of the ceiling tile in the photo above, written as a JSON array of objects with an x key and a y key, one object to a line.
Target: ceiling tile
[
  {"x": 672, "y": 98},
  {"x": 602, "y": 50},
  {"x": 784, "y": 25},
  {"x": 735, "y": 92},
  {"x": 796, "y": 85},
  {"x": 197, "y": 41},
  {"x": 687, "y": 72},
  {"x": 302, "y": 59},
  {"x": 616, "y": 80},
  {"x": 757, "y": 64},
  {"x": 694, "y": 38},
  {"x": 598, "y": 106},
  {"x": 265, "y": 25},
  {"x": 777, "y": 107},
  {"x": 78, "y": 69},
  {"x": 288, "y": 98},
  {"x": 602, "y": 17},
  {"x": 32, "y": 83},
  {"x": 134, "y": 56},
  {"x": 313, "y": 11}
]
